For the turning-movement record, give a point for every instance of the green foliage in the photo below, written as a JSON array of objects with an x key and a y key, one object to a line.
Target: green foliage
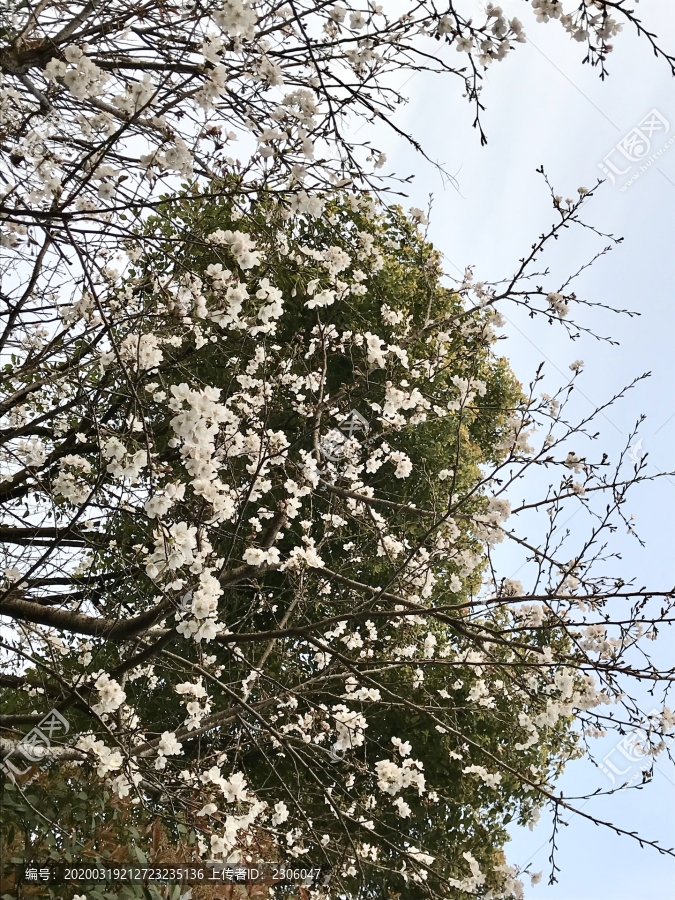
[{"x": 467, "y": 816}]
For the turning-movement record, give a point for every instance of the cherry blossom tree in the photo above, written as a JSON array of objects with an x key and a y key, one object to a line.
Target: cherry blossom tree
[
  {"x": 253, "y": 503},
  {"x": 258, "y": 457},
  {"x": 103, "y": 104}
]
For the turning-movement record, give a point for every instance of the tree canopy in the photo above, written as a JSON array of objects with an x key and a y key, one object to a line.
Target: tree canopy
[
  {"x": 258, "y": 454},
  {"x": 270, "y": 474}
]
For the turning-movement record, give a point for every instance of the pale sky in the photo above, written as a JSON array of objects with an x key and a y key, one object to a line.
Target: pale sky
[{"x": 544, "y": 107}]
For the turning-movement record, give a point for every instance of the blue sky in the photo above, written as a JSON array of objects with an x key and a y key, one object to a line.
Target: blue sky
[{"x": 544, "y": 107}]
